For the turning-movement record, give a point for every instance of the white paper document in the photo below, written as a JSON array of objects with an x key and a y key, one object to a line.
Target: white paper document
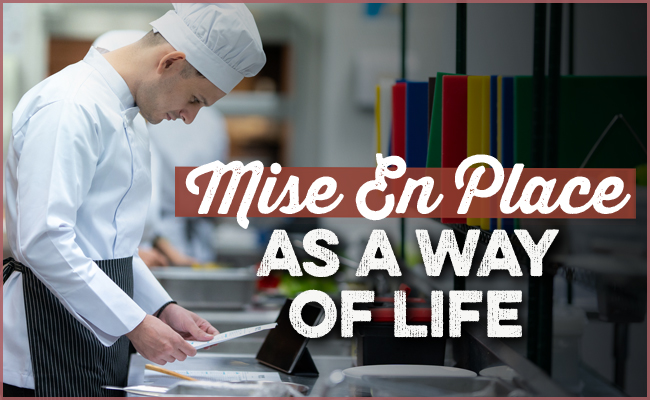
[
  {"x": 213, "y": 376},
  {"x": 224, "y": 337}
]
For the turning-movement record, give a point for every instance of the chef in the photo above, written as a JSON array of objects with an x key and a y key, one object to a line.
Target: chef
[
  {"x": 77, "y": 187},
  {"x": 167, "y": 239}
]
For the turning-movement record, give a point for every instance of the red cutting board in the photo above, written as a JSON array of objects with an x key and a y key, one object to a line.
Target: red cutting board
[
  {"x": 399, "y": 120},
  {"x": 454, "y": 126}
]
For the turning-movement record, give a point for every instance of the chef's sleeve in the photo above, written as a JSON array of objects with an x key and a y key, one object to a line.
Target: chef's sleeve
[
  {"x": 147, "y": 291},
  {"x": 60, "y": 150}
]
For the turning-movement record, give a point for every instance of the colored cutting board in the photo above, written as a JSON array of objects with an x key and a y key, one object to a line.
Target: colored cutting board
[
  {"x": 523, "y": 119},
  {"x": 434, "y": 152},
  {"x": 588, "y": 104},
  {"x": 454, "y": 126},
  {"x": 474, "y": 123},
  {"x": 430, "y": 92},
  {"x": 507, "y": 121},
  {"x": 386, "y": 114},
  {"x": 485, "y": 131},
  {"x": 494, "y": 132},
  {"x": 417, "y": 133},
  {"x": 399, "y": 120}
]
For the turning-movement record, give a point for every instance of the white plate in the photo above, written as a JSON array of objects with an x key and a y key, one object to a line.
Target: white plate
[
  {"x": 501, "y": 371},
  {"x": 402, "y": 371}
]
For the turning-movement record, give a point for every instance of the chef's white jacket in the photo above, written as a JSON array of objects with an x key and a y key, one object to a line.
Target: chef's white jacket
[{"x": 77, "y": 186}]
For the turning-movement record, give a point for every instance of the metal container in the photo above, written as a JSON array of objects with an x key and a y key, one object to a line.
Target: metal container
[
  {"x": 238, "y": 389},
  {"x": 223, "y": 288}
]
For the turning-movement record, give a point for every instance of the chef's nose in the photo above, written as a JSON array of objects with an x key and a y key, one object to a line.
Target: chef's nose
[{"x": 189, "y": 113}]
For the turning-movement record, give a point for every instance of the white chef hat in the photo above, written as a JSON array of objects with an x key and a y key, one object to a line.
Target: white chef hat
[
  {"x": 220, "y": 40},
  {"x": 113, "y": 40}
]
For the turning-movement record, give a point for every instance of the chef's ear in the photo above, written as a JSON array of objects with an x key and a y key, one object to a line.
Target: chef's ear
[{"x": 170, "y": 60}]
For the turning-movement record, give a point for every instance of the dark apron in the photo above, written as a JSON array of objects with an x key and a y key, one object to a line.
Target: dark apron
[{"x": 67, "y": 359}]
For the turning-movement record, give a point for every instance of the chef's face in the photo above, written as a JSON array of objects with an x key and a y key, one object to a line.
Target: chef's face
[{"x": 176, "y": 91}]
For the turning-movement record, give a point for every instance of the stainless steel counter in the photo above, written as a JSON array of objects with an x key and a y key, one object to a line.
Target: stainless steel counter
[
  {"x": 594, "y": 385},
  {"x": 247, "y": 362},
  {"x": 226, "y": 320}
]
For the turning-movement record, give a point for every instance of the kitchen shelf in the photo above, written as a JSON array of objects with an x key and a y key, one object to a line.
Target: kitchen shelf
[{"x": 267, "y": 104}]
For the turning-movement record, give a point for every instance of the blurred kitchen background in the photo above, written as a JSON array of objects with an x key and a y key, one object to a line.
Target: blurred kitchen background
[{"x": 312, "y": 106}]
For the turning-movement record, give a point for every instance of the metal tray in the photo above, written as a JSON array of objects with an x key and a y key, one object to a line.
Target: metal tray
[{"x": 223, "y": 288}]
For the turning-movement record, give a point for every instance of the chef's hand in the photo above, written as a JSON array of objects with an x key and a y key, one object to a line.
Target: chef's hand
[
  {"x": 157, "y": 342},
  {"x": 175, "y": 256},
  {"x": 152, "y": 257},
  {"x": 189, "y": 325}
]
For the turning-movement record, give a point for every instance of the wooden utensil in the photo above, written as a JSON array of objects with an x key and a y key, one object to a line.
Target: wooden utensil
[{"x": 168, "y": 372}]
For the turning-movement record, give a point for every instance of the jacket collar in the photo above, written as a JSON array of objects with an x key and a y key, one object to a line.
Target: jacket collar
[{"x": 115, "y": 81}]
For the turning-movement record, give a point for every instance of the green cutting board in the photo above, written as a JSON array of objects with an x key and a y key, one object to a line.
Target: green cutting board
[
  {"x": 588, "y": 104},
  {"x": 434, "y": 152}
]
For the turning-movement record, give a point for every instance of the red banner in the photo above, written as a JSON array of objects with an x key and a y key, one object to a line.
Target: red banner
[{"x": 588, "y": 197}]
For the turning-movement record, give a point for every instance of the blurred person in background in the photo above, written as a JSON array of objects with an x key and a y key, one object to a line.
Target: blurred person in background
[
  {"x": 174, "y": 144},
  {"x": 77, "y": 189}
]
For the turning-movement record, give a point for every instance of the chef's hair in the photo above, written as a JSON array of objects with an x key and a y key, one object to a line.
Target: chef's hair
[{"x": 152, "y": 39}]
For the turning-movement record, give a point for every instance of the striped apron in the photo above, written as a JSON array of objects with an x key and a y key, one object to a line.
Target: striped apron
[{"x": 67, "y": 359}]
